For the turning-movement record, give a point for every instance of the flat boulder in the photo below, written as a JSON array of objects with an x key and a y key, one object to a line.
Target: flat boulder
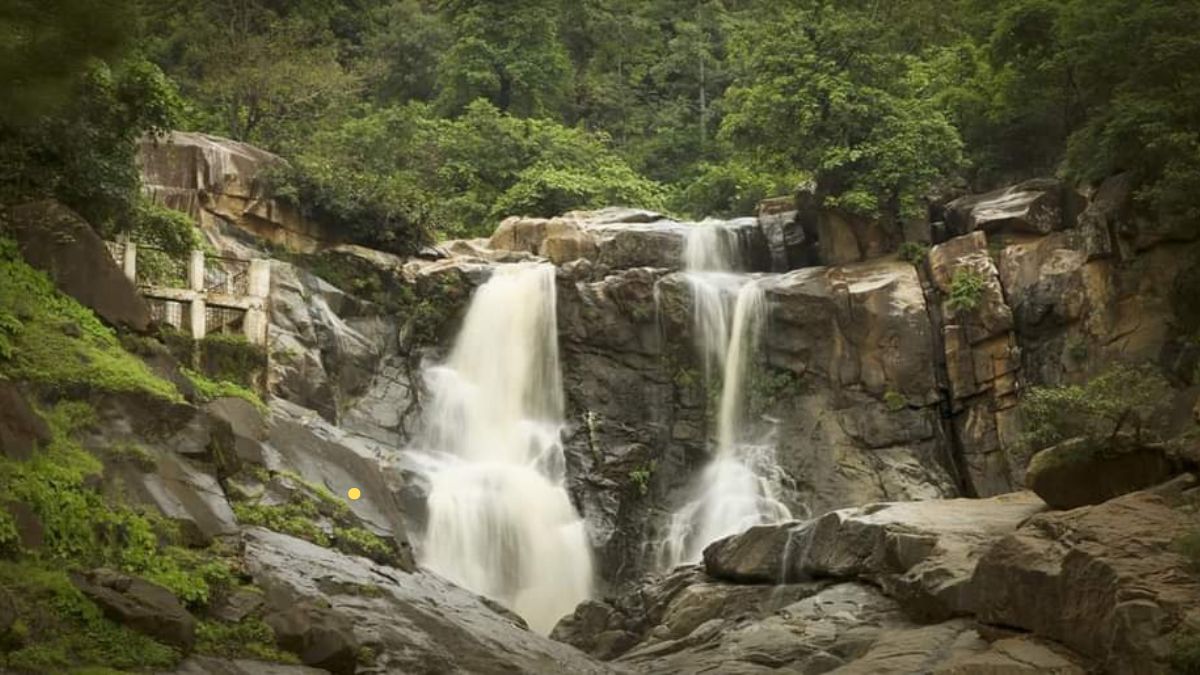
[
  {"x": 139, "y": 604},
  {"x": 1084, "y": 471},
  {"x": 1103, "y": 580},
  {"x": 1037, "y": 206}
]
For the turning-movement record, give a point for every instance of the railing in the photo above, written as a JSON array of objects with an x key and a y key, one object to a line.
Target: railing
[{"x": 199, "y": 294}]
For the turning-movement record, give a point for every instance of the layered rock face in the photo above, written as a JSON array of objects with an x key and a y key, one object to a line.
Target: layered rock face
[{"x": 956, "y": 586}]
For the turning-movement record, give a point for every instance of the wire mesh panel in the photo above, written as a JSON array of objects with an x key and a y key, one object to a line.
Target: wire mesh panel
[
  {"x": 169, "y": 313},
  {"x": 223, "y": 319},
  {"x": 226, "y": 275},
  {"x": 117, "y": 251}
]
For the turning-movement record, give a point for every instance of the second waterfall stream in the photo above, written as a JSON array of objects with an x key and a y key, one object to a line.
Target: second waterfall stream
[
  {"x": 738, "y": 488},
  {"x": 500, "y": 520}
]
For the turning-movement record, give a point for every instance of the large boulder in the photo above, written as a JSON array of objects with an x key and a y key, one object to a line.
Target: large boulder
[
  {"x": 1103, "y": 580},
  {"x": 413, "y": 622},
  {"x": 1085, "y": 471},
  {"x": 921, "y": 553},
  {"x": 21, "y": 428},
  {"x": 320, "y": 637},
  {"x": 143, "y": 606},
  {"x": 209, "y": 665},
  {"x": 1037, "y": 206},
  {"x": 57, "y": 241},
  {"x": 218, "y": 182}
]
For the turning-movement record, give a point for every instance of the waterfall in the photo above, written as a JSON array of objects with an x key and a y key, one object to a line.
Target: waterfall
[
  {"x": 500, "y": 521},
  {"x": 737, "y": 489}
]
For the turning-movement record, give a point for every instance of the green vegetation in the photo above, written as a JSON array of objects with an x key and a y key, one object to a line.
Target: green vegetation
[
  {"x": 314, "y": 514},
  {"x": 57, "y": 628},
  {"x": 767, "y": 385},
  {"x": 641, "y": 477},
  {"x": 966, "y": 289},
  {"x": 1185, "y": 653},
  {"x": 1124, "y": 399},
  {"x": 209, "y": 390},
  {"x": 248, "y": 639},
  {"x": 406, "y": 119},
  {"x": 56, "y": 343},
  {"x": 232, "y": 358},
  {"x": 914, "y": 252},
  {"x": 894, "y": 400},
  {"x": 1189, "y": 547}
]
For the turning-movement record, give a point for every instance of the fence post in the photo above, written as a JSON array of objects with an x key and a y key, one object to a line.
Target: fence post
[
  {"x": 196, "y": 271},
  {"x": 199, "y": 319},
  {"x": 129, "y": 261},
  {"x": 258, "y": 285}
]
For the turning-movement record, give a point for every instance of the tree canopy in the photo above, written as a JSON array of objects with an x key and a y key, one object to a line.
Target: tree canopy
[{"x": 412, "y": 118}]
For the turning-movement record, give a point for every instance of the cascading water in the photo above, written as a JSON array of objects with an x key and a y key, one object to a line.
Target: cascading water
[
  {"x": 500, "y": 521},
  {"x": 738, "y": 488}
]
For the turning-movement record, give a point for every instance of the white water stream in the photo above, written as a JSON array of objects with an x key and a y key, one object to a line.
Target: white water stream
[
  {"x": 500, "y": 521},
  {"x": 738, "y": 488}
]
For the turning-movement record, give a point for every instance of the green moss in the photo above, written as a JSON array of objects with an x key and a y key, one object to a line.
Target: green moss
[
  {"x": 1189, "y": 547},
  {"x": 641, "y": 477},
  {"x": 966, "y": 289},
  {"x": 297, "y": 518},
  {"x": 58, "y": 628},
  {"x": 83, "y": 529},
  {"x": 208, "y": 390},
  {"x": 247, "y": 639},
  {"x": 768, "y": 385},
  {"x": 232, "y": 358},
  {"x": 894, "y": 400},
  {"x": 51, "y": 340},
  {"x": 1185, "y": 653},
  {"x": 359, "y": 541},
  {"x": 131, "y": 453}
]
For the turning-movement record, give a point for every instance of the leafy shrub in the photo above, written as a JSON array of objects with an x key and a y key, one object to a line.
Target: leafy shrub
[
  {"x": 210, "y": 390},
  {"x": 250, "y": 638},
  {"x": 966, "y": 289},
  {"x": 1125, "y": 398},
  {"x": 232, "y": 358},
  {"x": 641, "y": 477},
  {"x": 914, "y": 252}
]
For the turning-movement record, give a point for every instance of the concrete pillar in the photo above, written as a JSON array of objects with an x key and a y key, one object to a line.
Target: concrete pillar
[
  {"x": 196, "y": 271},
  {"x": 254, "y": 325},
  {"x": 129, "y": 261},
  {"x": 258, "y": 282},
  {"x": 199, "y": 319}
]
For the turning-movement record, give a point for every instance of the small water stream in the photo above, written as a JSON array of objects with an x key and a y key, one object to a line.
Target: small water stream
[{"x": 738, "y": 488}]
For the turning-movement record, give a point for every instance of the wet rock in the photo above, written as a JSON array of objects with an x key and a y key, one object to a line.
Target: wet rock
[
  {"x": 414, "y": 622},
  {"x": 1014, "y": 656},
  {"x": 1087, "y": 471},
  {"x": 302, "y": 442},
  {"x": 320, "y": 637},
  {"x": 21, "y": 429},
  {"x": 921, "y": 553},
  {"x": 246, "y": 425},
  {"x": 56, "y": 240},
  {"x": 184, "y": 492},
  {"x": 1103, "y": 580},
  {"x": 235, "y": 606},
  {"x": 143, "y": 606}
]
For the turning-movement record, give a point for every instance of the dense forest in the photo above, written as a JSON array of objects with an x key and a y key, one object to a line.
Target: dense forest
[{"x": 410, "y": 120}]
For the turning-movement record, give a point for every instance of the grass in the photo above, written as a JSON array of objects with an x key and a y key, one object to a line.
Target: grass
[
  {"x": 210, "y": 390},
  {"x": 49, "y": 339},
  {"x": 248, "y": 639},
  {"x": 58, "y": 628},
  {"x": 914, "y": 252}
]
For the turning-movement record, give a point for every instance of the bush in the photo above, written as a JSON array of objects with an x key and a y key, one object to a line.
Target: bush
[
  {"x": 966, "y": 289},
  {"x": 914, "y": 252},
  {"x": 1125, "y": 398},
  {"x": 1185, "y": 653},
  {"x": 1189, "y": 547}
]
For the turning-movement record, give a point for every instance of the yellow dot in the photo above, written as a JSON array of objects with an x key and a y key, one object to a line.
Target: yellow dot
[{"x": 353, "y": 493}]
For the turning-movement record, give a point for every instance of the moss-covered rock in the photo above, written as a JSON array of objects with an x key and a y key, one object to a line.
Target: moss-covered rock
[{"x": 1085, "y": 471}]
